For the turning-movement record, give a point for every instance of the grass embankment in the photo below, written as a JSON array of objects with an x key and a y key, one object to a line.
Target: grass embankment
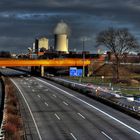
[
  {"x": 98, "y": 80},
  {"x": 13, "y": 124}
]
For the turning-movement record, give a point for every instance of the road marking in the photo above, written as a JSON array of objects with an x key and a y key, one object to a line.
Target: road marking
[
  {"x": 106, "y": 135},
  {"x": 81, "y": 115},
  {"x": 57, "y": 116},
  {"x": 54, "y": 95},
  {"x": 24, "y": 83},
  {"x": 46, "y": 90},
  {"x": 33, "y": 90},
  {"x": 113, "y": 118},
  {"x": 40, "y": 138},
  {"x": 73, "y": 136},
  {"x": 65, "y": 103},
  {"x": 38, "y": 96},
  {"x": 46, "y": 104}
]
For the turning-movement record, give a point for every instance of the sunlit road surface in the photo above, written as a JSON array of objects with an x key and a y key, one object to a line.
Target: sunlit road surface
[{"x": 53, "y": 112}]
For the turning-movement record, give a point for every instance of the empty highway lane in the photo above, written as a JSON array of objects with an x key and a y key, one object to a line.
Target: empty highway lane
[{"x": 53, "y": 112}]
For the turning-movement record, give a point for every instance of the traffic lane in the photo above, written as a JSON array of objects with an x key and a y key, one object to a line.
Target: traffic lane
[
  {"x": 126, "y": 128},
  {"x": 23, "y": 89},
  {"x": 56, "y": 127},
  {"x": 73, "y": 120}
]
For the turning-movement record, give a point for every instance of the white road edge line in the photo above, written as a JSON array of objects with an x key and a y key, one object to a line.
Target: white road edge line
[
  {"x": 73, "y": 136},
  {"x": 65, "y": 103},
  {"x": 46, "y": 104},
  {"x": 113, "y": 118},
  {"x": 40, "y": 138},
  {"x": 57, "y": 116},
  {"x": 106, "y": 135},
  {"x": 81, "y": 115}
]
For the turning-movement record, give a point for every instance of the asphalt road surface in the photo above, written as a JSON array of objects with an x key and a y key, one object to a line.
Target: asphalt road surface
[{"x": 53, "y": 112}]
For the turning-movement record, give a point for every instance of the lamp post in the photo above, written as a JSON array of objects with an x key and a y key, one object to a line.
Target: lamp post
[{"x": 83, "y": 58}]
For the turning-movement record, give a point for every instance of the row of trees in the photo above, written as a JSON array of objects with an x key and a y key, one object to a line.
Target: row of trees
[{"x": 118, "y": 41}]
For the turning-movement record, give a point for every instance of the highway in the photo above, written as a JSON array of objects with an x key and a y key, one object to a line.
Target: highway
[{"x": 53, "y": 112}]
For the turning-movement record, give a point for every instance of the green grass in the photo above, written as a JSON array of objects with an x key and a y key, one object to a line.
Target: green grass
[
  {"x": 130, "y": 92},
  {"x": 106, "y": 81}
]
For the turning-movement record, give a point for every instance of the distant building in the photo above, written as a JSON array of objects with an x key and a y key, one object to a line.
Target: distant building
[{"x": 43, "y": 43}]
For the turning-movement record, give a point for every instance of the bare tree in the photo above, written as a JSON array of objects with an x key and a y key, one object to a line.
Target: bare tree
[{"x": 118, "y": 41}]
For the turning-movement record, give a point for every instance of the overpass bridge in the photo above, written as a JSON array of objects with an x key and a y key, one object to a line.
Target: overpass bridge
[{"x": 63, "y": 62}]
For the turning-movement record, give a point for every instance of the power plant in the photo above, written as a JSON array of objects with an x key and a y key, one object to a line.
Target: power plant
[{"x": 61, "y": 33}]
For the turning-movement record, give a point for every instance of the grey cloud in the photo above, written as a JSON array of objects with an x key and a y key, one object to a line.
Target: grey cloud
[{"x": 28, "y": 19}]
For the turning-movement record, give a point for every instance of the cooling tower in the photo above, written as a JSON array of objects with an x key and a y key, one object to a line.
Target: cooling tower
[
  {"x": 61, "y": 42},
  {"x": 43, "y": 43}
]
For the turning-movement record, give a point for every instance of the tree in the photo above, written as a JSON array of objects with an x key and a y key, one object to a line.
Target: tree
[{"x": 118, "y": 41}]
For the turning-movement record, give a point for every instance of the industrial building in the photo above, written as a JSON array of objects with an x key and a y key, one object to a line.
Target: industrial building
[
  {"x": 41, "y": 44},
  {"x": 61, "y": 43}
]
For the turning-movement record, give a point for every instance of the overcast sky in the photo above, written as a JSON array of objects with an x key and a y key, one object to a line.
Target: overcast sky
[{"x": 21, "y": 21}]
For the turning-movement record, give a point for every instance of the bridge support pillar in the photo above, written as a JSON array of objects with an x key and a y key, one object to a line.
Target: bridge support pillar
[
  {"x": 32, "y": 69},
  {"x": 42, "y": 71}
]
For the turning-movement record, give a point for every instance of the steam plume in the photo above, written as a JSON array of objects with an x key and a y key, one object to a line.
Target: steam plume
[{"x": 62, "y": 28}]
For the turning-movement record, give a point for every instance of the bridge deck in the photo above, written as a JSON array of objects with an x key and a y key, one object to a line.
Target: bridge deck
[{"x": 46, "y": 62}]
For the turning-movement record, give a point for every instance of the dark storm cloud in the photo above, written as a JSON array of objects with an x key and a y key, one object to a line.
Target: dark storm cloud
[{"x": 22, "y": 21}]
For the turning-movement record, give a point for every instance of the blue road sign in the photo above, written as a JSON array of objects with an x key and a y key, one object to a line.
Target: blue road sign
[
  {"x": 73, "y": 71},
  {"x": 79, "y": 72}
]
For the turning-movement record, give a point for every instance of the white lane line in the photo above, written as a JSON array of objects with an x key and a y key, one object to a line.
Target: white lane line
[
  {"x": 73, "y": 136},
  {"x": 46, "y": 104},
  {"x": 38, "y": 96},
  {"x": 46, "y": 90},
  {"x": 65, "y": 103},
  {"x": 106, "y": 135},
  {"x": 113, "y": 118},
  {"x": 57, "y": 116},
  {"x": 40, "y": 138},
  {"x": 54, "y": 95},
  {"x": 81, "y": 115},
  {"x": 33, "y": 90}
]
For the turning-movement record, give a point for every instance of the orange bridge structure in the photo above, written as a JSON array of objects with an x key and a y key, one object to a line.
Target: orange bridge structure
[{"x": 63, "y": 62}]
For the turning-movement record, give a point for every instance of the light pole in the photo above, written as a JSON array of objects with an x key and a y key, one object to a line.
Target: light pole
[{"x": 83, "y": 58}]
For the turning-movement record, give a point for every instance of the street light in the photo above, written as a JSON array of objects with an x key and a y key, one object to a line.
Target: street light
[
  {"x": 83, "y": 58},
  {"x": 83, "y": 39}
]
